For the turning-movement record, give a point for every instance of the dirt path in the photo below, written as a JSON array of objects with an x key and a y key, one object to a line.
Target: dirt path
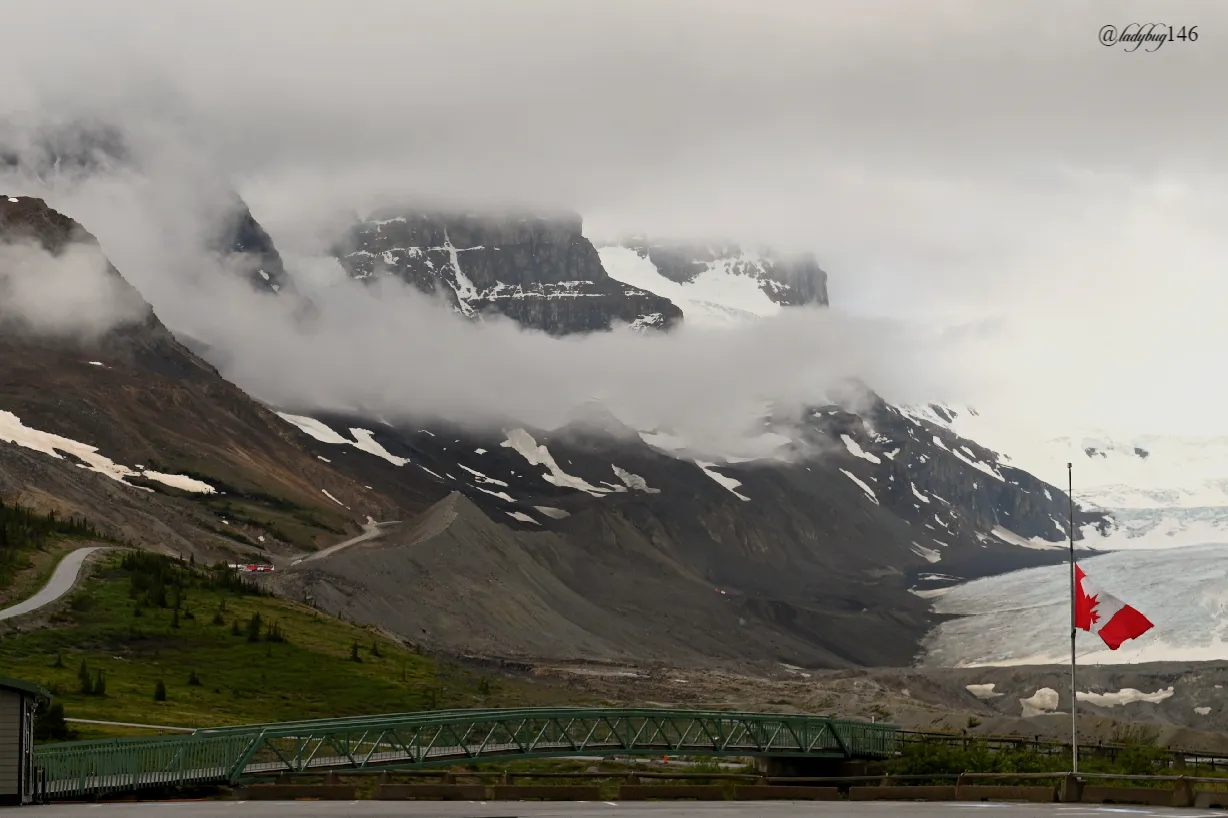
[{"x": 370, "y": 531}]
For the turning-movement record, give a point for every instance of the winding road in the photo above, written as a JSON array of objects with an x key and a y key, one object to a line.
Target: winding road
[{"x": 61, "y": 582}]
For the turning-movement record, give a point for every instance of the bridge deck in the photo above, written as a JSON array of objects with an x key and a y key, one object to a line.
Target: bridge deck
[{"x": 230, "y": 754}]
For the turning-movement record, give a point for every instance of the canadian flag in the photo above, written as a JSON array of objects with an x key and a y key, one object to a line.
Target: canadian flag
[{"x": 1104, "y": 614}]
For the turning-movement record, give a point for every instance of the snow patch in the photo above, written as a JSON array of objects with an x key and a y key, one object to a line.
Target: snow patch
[
  {"x": 869, "y": 491},
  {"x": 856, "y": 451},
  {"x": 1125, "y": 696},
  {"x": 1042, "y": 701},
  {"x": 928, "y": 554},
  {"x": 523, "y": 443},
  {"x": 1008, "y": 536},
  {"x": 12, "y": 430},
  {"x": 502, "y": 495},
  {"x": 918, "y": 494},
  {"x": 522, "y": 517},
  {"x": 334, "y": 499},
  {"x": 481, "y": 477},
  {"x": 363, "y": 440},
  {"x": 983, "y": 691},
  {"x": 479, "y": 451},
  {"x": 315, "y": 428},
  {"x": 634, "y": 481},
  {"x": 552, "y": 512},
  {"x": 1202, "y": 711},
  {"x": 723, "y": 295},
  {"x": 180, "y": 482},
  {"x": 325, "y": 459},
  {"x": 727, "y": 482}
]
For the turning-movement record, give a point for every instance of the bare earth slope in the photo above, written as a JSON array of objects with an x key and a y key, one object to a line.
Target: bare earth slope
[{"x": 143, "y": 399}]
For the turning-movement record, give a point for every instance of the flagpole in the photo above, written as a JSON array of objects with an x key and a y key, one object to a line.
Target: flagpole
[{"x": 1074, "y": 695}]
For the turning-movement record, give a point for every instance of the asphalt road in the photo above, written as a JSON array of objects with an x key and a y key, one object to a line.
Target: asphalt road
[
  {"x": 62, "y": 580},
  {"x": 726, "y": 809}
]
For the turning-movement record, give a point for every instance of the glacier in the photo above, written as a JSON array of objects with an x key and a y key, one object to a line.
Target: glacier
[{"x": 1023, "y": 618}]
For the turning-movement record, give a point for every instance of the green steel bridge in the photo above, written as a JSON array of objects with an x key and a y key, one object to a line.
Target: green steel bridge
[{"x": 229, "y": 755}]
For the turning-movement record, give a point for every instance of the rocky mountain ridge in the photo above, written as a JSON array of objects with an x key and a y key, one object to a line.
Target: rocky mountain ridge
[{"x": 540, "y": 271}]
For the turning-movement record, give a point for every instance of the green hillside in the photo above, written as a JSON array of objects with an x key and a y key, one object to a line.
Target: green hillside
[{"x": 226, "y": 653}]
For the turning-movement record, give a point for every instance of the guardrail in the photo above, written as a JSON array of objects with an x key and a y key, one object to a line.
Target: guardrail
[
  {"x": 1178, "y": 756},
  {"x": 628, "y": 785}
]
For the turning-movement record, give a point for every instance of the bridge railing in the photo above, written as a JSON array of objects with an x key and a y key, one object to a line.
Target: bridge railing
[{"x": 228, "y": 754}]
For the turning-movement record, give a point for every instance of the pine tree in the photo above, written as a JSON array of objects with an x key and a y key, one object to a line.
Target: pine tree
[
  {"x": 87, "y": 683},
  {"x": 218, "y": 619},
  {"x": 193, "y": 679},
  {"x": 160, "y": 692},
  {"x": 175, "y": 618},
  {"x": 59, "y": 661},
  {"x": 354, "y": 657},
  {"x": 100, "y": 684},
  {"x": 253, "y": 628},
  {"x": 375, "y": 649}
]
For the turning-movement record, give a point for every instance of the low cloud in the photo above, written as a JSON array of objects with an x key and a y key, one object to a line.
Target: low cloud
[
  {"x": 1040, "y": 216},
  {"x": 71, "y": 294}
]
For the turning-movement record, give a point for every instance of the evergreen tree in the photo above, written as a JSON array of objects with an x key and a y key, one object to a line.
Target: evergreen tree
[
  {"x": 354, "y": 657},
  {"x": 253, "y": 628},
  {"x": 87, "y": 683},
  {"x": 160, "y": 692}
]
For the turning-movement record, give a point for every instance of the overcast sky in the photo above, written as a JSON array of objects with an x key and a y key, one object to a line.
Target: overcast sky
[{"x": 987, "y": 167}]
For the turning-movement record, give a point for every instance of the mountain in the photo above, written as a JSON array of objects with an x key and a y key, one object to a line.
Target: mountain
[
  {"x": 717, "y": 284},
  {"x": 538, "y": 270},
  {"x": 104, "y": 413},
  {"x": 1153, "y": 491},
  {"x": 618, "y": 545},
  {"x": 589, "y": 541}
]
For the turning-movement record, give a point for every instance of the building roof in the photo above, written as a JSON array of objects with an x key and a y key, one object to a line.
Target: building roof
[{"x": 9, "y": 683}]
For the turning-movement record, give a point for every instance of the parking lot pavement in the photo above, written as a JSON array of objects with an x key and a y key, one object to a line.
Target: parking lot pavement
[{"x": 602, "y": 809}]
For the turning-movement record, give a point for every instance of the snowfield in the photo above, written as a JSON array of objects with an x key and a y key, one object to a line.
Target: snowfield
[{"x": 718, "y": 297}]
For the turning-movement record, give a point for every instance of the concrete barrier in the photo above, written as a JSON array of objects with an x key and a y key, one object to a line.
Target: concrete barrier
[
  {"x": 1031, "y": 794},
  {"x": 643, "y": 792},
  {"x": 1148, "y": 796},
  {"x": 445, "y": 792},
  {"x": 1211, "y": 799},
  {"x": 293, "y": 792},
  {"x": 507, "y": 792},
  {"x": 900, "y": 793},
  {"x": 760, "y": 792}
]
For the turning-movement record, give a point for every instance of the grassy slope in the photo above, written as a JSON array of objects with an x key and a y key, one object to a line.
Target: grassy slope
[{"x": 310, "y": 675}]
